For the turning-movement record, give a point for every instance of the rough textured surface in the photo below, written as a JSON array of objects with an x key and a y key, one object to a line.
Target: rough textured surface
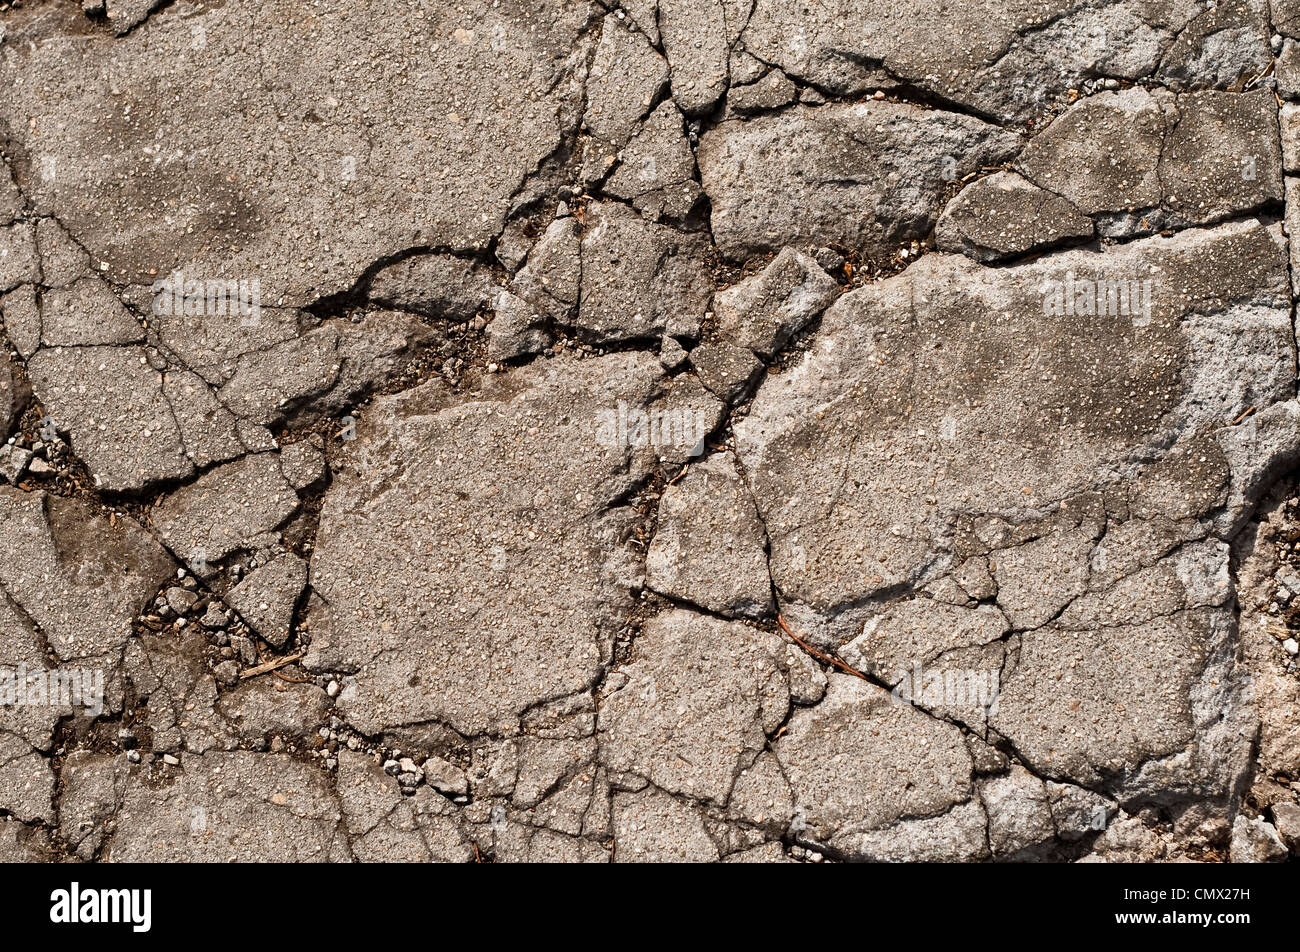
[
  {"x": 1005, "y": 215},
  {"x": 669, "y": 430},
  {"x": 458, "y": 471},
  {"x": 865, "y": 176},
  {"x": 709, "y": 547}
]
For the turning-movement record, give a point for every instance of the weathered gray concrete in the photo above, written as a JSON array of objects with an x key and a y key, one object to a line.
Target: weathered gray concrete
[{"x": 674, "y": 430}]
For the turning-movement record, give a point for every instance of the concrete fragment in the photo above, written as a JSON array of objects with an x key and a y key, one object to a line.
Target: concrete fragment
[
  {"x": 267, "y": 598},
  {"x": 639, "y": 279},
  {"x": 211, "y": 518},
  {"x": 866, "y": 176},
  {"x": 1005, "y": 215},
  {"x": 709, "y": 546},
  {"x": 697, "y": 705},
  {"x": 765, "y": 311},
  {"x": 1256, "y": 841}
]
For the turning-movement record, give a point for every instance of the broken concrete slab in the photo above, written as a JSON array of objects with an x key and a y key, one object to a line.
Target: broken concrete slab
[
  {"x": 267, "y": 385},
  {"x": 571, "y": 401},
  {"x": 111, "y": 404},
  {"x": 63, "y": 261},
  {"x": 1019, "y": 815},
  {"x": 262, "y": 708},
  {"x": 766, "y": 310},
  {"x": 1004, "y": 216},
  {"x": 656, "y": 170},
  {"x": 1137, "y": 161},
  {"x": 171, "y": 674},
  {"x": 211, "y": 518},
  {"x": 625, "y": 81},
  {"x": 652, "y": 827},
  {"x": 126, "y": 15},
  {"x": 865, "y": 176},
  {"x": 517, "y": 329},
  {"x": 23, "y": 844},
  {"x": 639, "y": 279},
  {"x": 551, "y": 281},
  {"x": 303, "y": 463},
  {"x": 384, "y": 825},
  {"x": 907, "y": 635},
  {"x": 20, "y": 263},
  {"x": 1003, "y": 59},
  {"x": 209, "y": 432},
  {"x": 957, "y": 836},
  {"x": 444, "y": 286},
  {"x": 772, "y": 91},
  {"x": 22, "y": 319},
  {"x": 239, "y": 806},
  {"x": 14, "y": 394},
  {"x": 860, "y": 762},
  {"x": 1256, "y": 841},
  {"x": 211, "y": 341},
  {"x": 692, "y": 735},
  {"x": 14, "y": 461},
  {"x": 890, "y": 350},
  {"x": 554, "y": 579},
  {"x": 697, "y": 40},
  {"x": 268, "y": 597},
  {"x": 358, "y": 196},
  {"x": 708, "y": 549},
  {"x": 728, "y": 370},
  {"x": 80, "y": 576}
]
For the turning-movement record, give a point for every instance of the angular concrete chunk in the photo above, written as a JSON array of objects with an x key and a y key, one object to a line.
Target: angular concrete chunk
[
  {"x": 63, "y": 261},
  {"x": 764, "y": 311},
  {"x": 651, "y": 827},
  {"x": 1004, "y": 58},
  {"x": 551, "y": 281},
  {"x": 656, "y": 171},
  {"x": 626, "y": 78},
  {"x": 437, "y": 285},
  {"x": 910, "y": 634},
  {"x": 20, "y": 262},
  {"x": 1005, "y": 215},
  {"x": 209, "y": 431},
  {"x": 1138, "y": 161},
  {"x": 865, "y": 176},
  {"x": 861, "y": 761},
  {"x": 487, "y": 554},
  {"x": 111, "y": 404},
  {"x": 267, "y": 598},
  {"x": 303, "y": 463},
  {"x": 225, "y": 509},
  {"x": 267, "y": 384},
  {"x": 22, "y": 317},
  {"x": 222, "y": 807},
  {"x": 696, "y": 704},
  {"x": 77, "y": 575},
  {"x": 957, "y": 389},
  {"x": 1019, "y": 816},
  {"x": 640, "y": 279},
  {"x": 14, "y": 394},
  {"x": 695, "y": 37},
  {"x": 368, "y": 167},
  {"x": 709, "y": 546}
]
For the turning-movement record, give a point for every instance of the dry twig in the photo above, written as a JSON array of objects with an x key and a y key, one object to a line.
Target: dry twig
[
  {"x": 817, "y": 654},
  {"x": 271, "y": 666}
]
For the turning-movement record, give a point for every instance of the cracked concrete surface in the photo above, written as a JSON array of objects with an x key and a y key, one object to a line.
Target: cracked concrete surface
[{"x": 661, "y": 430}]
